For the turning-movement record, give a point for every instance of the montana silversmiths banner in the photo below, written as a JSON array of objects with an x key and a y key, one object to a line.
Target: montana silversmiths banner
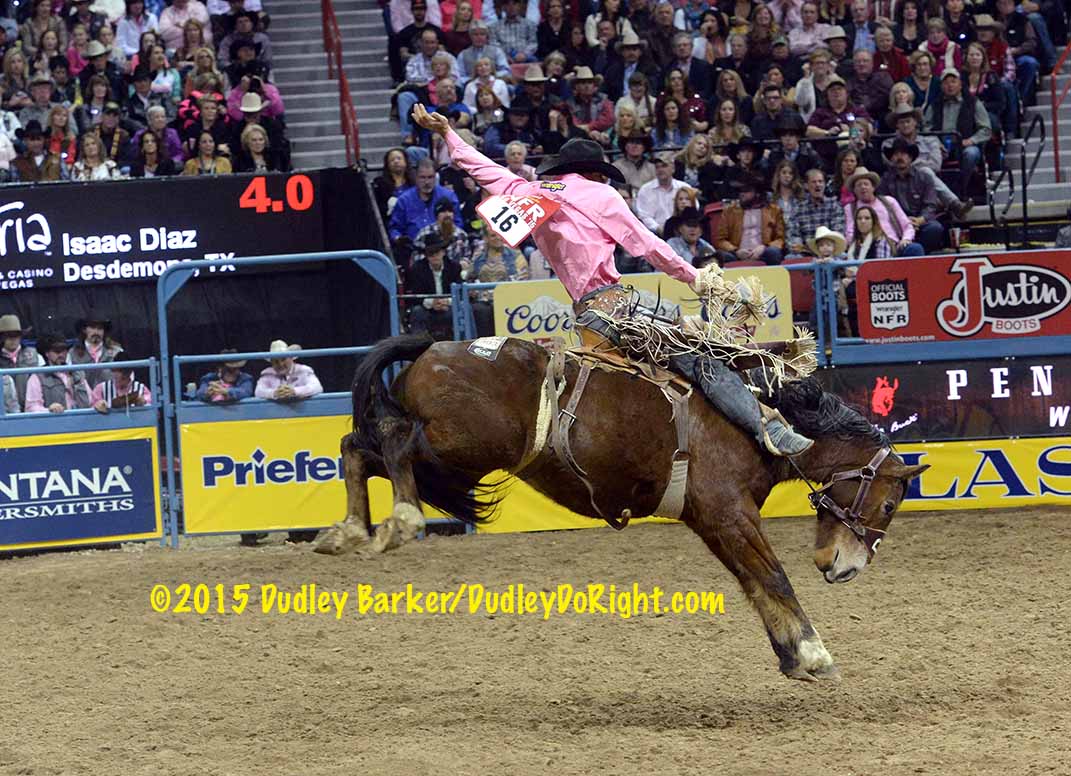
[
  {"x": 952, "y": 298},
  {"x": 79, "y": 488},
  {"x": 540, "y": 310},
  {"x": 115, "y": 231},
  {"x": 946, "y": 400}
]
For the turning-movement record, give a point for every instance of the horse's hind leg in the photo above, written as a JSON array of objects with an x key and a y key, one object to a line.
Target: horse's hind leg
[
  {"x": 356, "y": 529},
  {"x": 736, "y": 538},
  {"x": 407, "y": 519}
]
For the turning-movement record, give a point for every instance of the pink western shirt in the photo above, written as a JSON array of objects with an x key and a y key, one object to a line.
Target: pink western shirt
[{"x": 578, "y": 241}]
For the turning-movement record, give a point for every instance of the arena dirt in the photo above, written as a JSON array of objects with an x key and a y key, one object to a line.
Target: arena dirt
[{"x": 953, "y": 648}]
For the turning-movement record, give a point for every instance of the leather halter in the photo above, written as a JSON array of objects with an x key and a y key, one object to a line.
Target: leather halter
[{"x": 852, "y": 517}]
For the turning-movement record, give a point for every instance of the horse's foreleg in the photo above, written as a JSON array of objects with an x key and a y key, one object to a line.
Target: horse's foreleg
[
  {"x": 407, "y": 519},
  {"x": 356, "y": 529},
  {"x": 738, "y": 542}
]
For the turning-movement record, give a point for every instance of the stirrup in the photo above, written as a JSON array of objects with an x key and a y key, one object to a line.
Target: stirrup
[{"x": 772, "y": 416}]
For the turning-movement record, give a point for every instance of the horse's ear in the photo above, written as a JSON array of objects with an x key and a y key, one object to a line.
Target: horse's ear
[{"x": 908, "y": 473}]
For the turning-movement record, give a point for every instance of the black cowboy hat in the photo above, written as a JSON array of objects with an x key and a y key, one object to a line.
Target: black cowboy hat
[
  {"x": 580, "y": 155},
  {"x": 791, "y": 123},
  {"x": 899, "y": 144},
  {"x": 51, "y": 341},
  {"x": 734, "y": 149},
  {"x": 645, "y": 139},
  {"x": 691, "y": 216},
  {"x": 434, "y": 242},
  {"x": 240, "y": 43},
  {"x": 81, "y": 323},
  {"x": 31, "y": 130},
  {"x": 751, "y": 183}
]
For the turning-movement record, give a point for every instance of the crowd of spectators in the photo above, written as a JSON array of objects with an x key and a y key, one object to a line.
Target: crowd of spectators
[
  {"x": 103, "y": 89},
  {"x": 785, "y": 115}
]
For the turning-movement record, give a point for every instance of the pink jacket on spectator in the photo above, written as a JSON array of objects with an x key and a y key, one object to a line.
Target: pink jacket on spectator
[
  {"x": 274, "y": 108},
  {"x": 98, "y": 392},
  {"x": 172, "y": 19},
  {"x": 579, "y": 240},
  {"x": 897, "y": 233},
  {"x": 300, "y": 377}
]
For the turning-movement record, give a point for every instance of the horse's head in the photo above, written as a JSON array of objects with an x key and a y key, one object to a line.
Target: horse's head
[{"x": 854, "y": 510}]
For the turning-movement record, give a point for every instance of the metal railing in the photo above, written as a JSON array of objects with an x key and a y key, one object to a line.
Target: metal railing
[
  {"x": 1056, "y": 103},
  {"x": 1025, "y": 177},
  {"x": 347, "y": 113}
]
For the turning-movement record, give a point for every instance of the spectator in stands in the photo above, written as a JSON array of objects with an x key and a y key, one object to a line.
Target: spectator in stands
[
  {"x": 914, "y": 192},
  {"x": 93, "y": 163},
  {"x": 406, "y": 39},
  {"x": 94, "y": 346},
  {"x": 907, "y": 121},
  {"x": 838, "y": 118},
  {"x": 867, "y": 238},
  {"x": 774, "y": 113},
  {"x": 638, "y": 100},
  {"x": 787, "y": 189},
  {"x": 10, "y": 396},
  {"x": 66, "y": 90},
  {"x": 688, "y": 241},
  {"x": 888, "y": 58},
  {"x": 623, "y": 75},
  {"x": 495, "y": 262},
  {"x": 77, "y": 51},
  {"x": 415, "y": 207},
  {"x": 727, "y": 128},
  {"x": 135, "y": 21},
  {"x": 908, "y": 32},
  {"x": 456, "y": 35},
  {"x": 151, "y": 161},
  {"x": 789, "y": 133},
  {"x": 56, "y": 392},
  {"x": 135, "y": 110},
  {"x": 114, "y": 139},
  {"x": 485, "y": 78},
  {"x": 46, "y": 49},
  {"x": 245, "y": 35},
  {"x": 839, "y": 52},
  {"x": 32, "y": 29},
  {"x": 481, "y": 47},
  {"x": 1001, "y": 64},
  {"x": 860, "y": 30},
  {"x": 106, "y": 36},
  {"x": 959, "y": 26},
  {"x": 867, "y": 87},
  {"x": 119, "y": 392},
  {"x": 14, "y": 84},
  {"x": 553, "y": 31},
  {"x": 535, "y": 101},
  {"x": 514, "y": 129},
  {"x": 193, "y": 39},
  {"x": 213, "y": 121},
  {"x": 517, "y": 161},
  {"x": 1022, "y": 45},
  {"x": 35, "y": 164},
  {"x": 148, "y": 39},
  {"x": 634, "y": 164},
  {"x": 954, "y": 111},
  {"x": 459, "y": 245},
  {"x": 891, "y": 217},
  {"x": 815, "y": 210},
  {"x": 165, "y": 79},
  {"x": 15, "y": 355},
  {"x": 256, "y": 82},
  {"x": 167, "y": 139},
  {"x": 175, "y": 16},
  {"x": 208, "y": 160},
  {"x": 654, "y": 199},
  {"x": 82, "y": 14},
  {"x": 253, "y": 115},
  {"x": 41, "y": 101},
  {"x": 101, "y": 65},
  {"x": 433, "y": 275},
  {"x": 808, "y": 36},
  {"x": 984, "y": 85},
  {"x": 393, "y": 179},
  {"x": 751, "y": 229},
  {"x": 227, "y": 384},
  {"x": 61, "y": 139},
  {"x": 89, "y": 114},
  {"x": 591, "y": 111},
  {"x": 946, "y": 54},
  {"x": 515, "y": 34},
  {"x": 204, "y": 64},
  {"x": 285, "y": 379},
  {"x": 255, "y": 153},
  {"x": 923, "y": 83}
]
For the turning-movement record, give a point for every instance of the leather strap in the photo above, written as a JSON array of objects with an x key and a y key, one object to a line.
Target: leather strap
[{"x": 672, "y": 503}]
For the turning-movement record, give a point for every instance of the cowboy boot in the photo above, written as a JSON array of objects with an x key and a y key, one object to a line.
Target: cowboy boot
[{"x": 728, "y": 393}]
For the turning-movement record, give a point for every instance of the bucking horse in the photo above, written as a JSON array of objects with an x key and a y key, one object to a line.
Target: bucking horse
[{"x": 460, "y": 411}]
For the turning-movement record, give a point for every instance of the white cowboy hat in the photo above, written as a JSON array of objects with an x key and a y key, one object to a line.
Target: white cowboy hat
[
  {"x": 859, "y": 174},
  {"x": 11, "y": 323},
  {"x": 278, "y": 346},
  {"x": 824, "y": 233}
]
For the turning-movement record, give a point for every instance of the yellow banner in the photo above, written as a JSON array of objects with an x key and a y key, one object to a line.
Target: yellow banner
[
  {"x": 540, "y": 310},
  {"x": 287, "y": 473}
]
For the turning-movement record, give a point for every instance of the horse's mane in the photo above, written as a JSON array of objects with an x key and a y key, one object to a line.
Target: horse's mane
[{"x": 818, "y": 414}]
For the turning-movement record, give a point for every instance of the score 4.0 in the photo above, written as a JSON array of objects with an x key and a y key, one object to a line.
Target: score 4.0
[{"x": 300, "y": 195}]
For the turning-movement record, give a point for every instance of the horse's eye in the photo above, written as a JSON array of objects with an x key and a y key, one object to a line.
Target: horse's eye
[{"x": 889, "y": 507}]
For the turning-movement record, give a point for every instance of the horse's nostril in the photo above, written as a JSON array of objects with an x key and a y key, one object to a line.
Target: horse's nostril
[{"x": 826, "y": 565}]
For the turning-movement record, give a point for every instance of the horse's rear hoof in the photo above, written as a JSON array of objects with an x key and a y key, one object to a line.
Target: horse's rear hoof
[
  {"x": 799, "y": 674},
  {"x": 340, "y": 539},
  {"x": 829, "y": 673}
]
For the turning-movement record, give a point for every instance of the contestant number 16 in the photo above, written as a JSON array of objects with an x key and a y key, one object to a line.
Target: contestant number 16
[
  {"x": 505, "y": 219},
  {"x": 299, "y": 195}
]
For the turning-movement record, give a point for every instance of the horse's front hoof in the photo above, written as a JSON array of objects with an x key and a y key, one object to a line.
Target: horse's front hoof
[
  {"x": 798, "y": 673},
  {"x": 340, "y": 539},
  {"x": 828, "y": 673}
]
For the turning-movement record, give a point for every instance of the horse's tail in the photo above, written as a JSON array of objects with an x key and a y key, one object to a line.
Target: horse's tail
[{"x": 446, "y": 489}]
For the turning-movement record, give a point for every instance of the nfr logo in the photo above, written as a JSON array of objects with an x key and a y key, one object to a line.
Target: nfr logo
[
  {"x": 889, "y": 307},
  {"x": 260, "y": 470}
]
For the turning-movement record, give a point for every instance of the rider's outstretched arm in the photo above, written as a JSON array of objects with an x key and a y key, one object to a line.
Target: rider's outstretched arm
[{"x": 493, "y": 177}]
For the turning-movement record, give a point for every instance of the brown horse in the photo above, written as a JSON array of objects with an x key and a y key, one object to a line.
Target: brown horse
[{"x": 451, "y": 418}]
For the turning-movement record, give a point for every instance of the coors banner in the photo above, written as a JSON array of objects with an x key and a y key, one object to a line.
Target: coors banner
[{"x": 955, "y": 297}]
